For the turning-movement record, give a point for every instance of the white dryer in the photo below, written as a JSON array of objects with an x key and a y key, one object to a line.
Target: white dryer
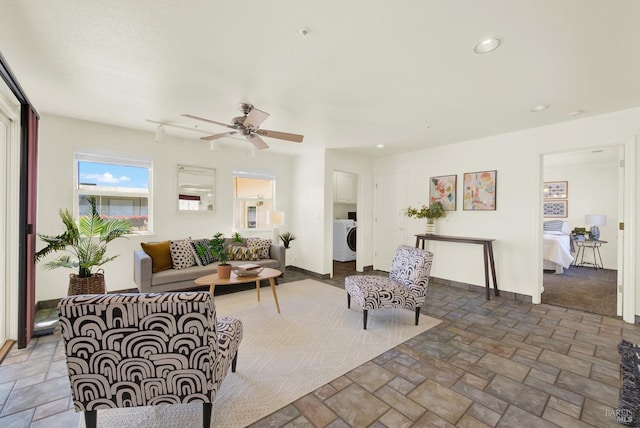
[{"x": 344, "y": 240}]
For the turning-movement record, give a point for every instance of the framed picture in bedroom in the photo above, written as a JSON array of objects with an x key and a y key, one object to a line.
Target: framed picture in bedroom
[
  {"x": 479, "y": 191},
  {"x": 443, "y": 189},
  {"x": 556, "y": 190},
  {"x": 555, "y": 209}
]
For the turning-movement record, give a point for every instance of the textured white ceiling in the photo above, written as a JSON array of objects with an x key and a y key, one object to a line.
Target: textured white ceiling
[{"x": 402, "y": 74}]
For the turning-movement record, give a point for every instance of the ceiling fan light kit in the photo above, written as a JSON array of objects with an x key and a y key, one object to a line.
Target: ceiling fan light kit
[{"x": 248, "y": 126}]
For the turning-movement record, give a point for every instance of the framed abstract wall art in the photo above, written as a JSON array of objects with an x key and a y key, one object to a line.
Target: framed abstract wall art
[
  {"x": 556, "y": 190},
  {"x": 443, "y": 189},
  {"x": 555, "y": 208},
  {"x": 479, "y": 191}
]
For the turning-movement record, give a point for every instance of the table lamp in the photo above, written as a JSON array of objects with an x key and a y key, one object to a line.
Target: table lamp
[
  {"x": 595, "y": 220},
  {"x": 276, "y": 218}
]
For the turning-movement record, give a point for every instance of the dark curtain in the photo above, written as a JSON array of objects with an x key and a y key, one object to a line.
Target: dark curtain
[{"x": 28, "y": 200}]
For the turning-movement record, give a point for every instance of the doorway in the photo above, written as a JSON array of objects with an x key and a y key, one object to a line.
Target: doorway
[
  {"x": 345, "y": 223},
  {"x": 591, "y": 183}
]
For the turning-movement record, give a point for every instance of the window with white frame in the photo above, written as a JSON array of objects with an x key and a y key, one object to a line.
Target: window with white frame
[
  {"x": 253, "y": 198},
  {"x": 122, "y": 188}
]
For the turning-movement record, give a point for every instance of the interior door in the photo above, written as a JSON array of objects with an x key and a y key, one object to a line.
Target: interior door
[{"x": 390, "y": 199}]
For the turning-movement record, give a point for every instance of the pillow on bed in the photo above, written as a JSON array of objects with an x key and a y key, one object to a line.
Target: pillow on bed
[{"x": 553, "y": 227}]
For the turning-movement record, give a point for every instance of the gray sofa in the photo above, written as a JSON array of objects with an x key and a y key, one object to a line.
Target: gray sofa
[{"x": 182, "y": 279}]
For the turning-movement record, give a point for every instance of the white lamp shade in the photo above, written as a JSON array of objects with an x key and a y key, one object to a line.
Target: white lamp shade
[
  {"x": 276, "y": 218},
  {"x": 595, "y": 219}
]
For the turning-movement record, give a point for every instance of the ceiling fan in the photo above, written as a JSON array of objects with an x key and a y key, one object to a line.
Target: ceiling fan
[{"x": 249, "y": 126}]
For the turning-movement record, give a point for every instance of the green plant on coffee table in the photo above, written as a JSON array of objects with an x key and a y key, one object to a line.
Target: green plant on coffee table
[
  {"x": 286, "y": 238},
  {"x": 219, "y": 249}
]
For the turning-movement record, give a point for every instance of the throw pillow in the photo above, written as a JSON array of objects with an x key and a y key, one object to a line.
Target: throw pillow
[
  {"x": 262, "y": 245},
  {"x": 629, "y": 402},
  {"x": 553, "y": 226},
  {"x": 201, "y": 252},
  {"x": 160, "y": 255},
  {"x": 181, "y": 254},
  {"x": 243, "y": 253}
]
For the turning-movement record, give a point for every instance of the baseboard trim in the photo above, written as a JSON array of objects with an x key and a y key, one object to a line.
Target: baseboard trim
[
  {"x": 6, "y": 348},
  {"x": 480, "y": 289},
  {"x": 308, "y": 272}
]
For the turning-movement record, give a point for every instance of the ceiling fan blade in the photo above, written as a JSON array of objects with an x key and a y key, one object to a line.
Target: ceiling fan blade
[
  {"x": 207, "y": 120},
  {"x": 255, "y": 118},
  {"x": 257, "y": 141},
  {"x": 216, "y": 136},
  {"x": 281, "y": 135}
]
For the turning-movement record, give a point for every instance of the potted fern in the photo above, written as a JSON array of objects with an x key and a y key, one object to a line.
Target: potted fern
[
  {"x": 85, "y": 247},
  {"x": 431, "y": 213}
]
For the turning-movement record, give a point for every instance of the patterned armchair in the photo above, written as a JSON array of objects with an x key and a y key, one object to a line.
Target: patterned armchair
[
  {"x": 405, "y": 287},
  {"x": 128, "y": 350}
]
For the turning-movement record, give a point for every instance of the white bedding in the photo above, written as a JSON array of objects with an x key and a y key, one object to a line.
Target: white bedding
[{"x": 557, "y": 249}]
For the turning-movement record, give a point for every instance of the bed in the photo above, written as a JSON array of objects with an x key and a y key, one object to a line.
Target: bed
[{"x": 557, "y": 249}]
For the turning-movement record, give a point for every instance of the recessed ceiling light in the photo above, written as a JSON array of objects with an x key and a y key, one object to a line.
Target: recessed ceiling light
[
  {"x": 576, "y": 113},
  {"x": 541, "y": 107},
  {"x": 304, "y": 31},
  {"x": 380, "y": 146},
  {"x": 487, "y": 45}
]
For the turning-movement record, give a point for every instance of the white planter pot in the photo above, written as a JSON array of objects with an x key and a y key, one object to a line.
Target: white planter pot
[{"x": 431, "y": 229}]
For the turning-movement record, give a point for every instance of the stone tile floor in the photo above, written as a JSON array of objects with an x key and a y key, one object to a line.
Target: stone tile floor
[{"x": 498, "y": 363}]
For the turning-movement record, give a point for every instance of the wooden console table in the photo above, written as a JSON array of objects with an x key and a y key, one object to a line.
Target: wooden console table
[{"x": 487, "y": 249}]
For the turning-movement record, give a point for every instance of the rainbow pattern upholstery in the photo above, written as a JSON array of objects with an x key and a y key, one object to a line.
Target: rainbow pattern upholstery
[
  {"x": 127, "y": 350},
  {"x": 406, "y": 286}
]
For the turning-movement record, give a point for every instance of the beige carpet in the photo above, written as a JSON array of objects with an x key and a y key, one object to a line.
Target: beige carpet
[{"x": 284, "y": 356}]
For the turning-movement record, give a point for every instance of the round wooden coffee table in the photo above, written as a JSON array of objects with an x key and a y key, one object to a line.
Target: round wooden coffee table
[{"x": 267, "y": 273}]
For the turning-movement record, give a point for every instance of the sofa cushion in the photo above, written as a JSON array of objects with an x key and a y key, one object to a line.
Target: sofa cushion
[
  {"x": 262, "y": 245},
  {"x": 189, "y": 274},
  {"x": 243, "y": 253},
  {"x": 160, "y": 255},
  {"x": 181, "y": 254},
  {"x": 202, "y": 253}
]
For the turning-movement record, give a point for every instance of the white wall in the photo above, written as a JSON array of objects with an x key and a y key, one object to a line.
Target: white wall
[
  {"x": 516, "y": 224},
  {"x": 592, "y": 190},
  {"x": 59, "y": 137}
]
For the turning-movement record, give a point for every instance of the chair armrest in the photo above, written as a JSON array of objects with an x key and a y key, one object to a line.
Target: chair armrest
[
  {"x": 142, "y": 271},
  {"x": 277, "y": 252}
]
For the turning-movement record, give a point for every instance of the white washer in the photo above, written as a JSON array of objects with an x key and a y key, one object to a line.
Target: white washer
[{"x": 344, "y": 240}]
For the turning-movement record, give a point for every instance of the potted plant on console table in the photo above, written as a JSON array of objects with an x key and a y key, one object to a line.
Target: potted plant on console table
[
  {"x": 87, "y": 244},
  {"x": 431, "y": 213}
]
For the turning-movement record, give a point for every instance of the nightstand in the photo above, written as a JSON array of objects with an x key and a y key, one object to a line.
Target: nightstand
[{"x": 594, "y": 245}]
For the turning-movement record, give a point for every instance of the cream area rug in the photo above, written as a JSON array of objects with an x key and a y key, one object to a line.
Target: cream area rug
[{"x": 282, "y": 357}]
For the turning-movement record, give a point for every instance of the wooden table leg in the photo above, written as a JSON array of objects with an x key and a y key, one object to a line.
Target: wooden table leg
[
  {"x": 493, "y": 269},
  {"x": 258, "y": 289},
  {"x": 212, "y": 288},
  {"x": 272, "y": 282},
  {"x": 485, "y": 251}
]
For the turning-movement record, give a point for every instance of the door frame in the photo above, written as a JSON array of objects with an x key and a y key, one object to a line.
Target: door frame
[
  {"x": 627, "y": 255},
  {"x": 10, "y": 203}
]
